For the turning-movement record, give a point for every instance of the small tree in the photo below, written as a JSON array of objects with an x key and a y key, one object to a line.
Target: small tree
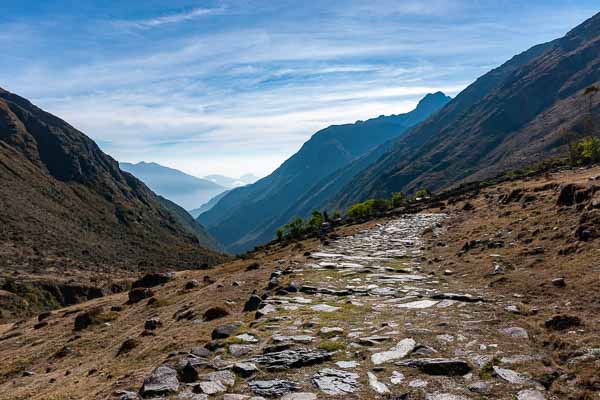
[
  {"x": 280, "y": 234},
  {"x": 398, "y": 199},
  {"x": 422, "y": 194},
  {"x": 316, "y": 221},
  {"x": 295, "y": 228},
  {"x": 337, "y": 214},
  {"x": 585, "y": 151}
]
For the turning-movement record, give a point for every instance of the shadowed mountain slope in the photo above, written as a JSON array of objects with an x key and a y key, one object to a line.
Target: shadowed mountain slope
[
  {"x": 525, "y": 110},
  {"x": 62, "y": 199}
]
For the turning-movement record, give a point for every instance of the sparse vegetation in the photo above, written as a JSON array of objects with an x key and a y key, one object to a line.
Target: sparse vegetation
[{"x": 585, "y": 151}]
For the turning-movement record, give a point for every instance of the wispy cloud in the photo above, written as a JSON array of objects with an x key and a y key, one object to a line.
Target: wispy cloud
[
  {"x": 240, "y": 94},
  {"x": 170, "y": 18}
]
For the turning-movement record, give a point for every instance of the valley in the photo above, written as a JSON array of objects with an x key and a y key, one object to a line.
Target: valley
[{"x": 422, "y": 305}]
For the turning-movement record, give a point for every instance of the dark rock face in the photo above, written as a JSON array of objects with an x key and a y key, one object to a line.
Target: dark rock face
[
  {"x": 562, "y": 322},
  {"x": 128, "y": 345},
  {"x": 439, "y": 366},
  {"x": 292, "y": 358},
  {"x": 224, "y": 331},
  {"x": 152, "y": 324},
  {"x": 163, "y": 381}
]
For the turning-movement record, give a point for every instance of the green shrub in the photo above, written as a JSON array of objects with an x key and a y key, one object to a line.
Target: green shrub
[
  {"x": 398, "y": 199},
  {"x": 585, "y": 151}
]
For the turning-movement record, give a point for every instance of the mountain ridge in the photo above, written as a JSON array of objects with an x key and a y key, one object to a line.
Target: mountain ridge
[
  {"x": 239, "y": 219},
  {"x": 517, "y": 112}
]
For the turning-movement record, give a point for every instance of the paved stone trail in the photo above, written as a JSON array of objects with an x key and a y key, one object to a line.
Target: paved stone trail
[{"x": 365, "y": 319}]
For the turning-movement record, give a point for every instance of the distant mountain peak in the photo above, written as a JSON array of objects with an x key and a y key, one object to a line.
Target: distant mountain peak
[{"x": 432, "y": 100}]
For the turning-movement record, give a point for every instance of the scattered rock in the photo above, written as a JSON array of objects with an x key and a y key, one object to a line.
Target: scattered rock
[
  {"x": 162, "y": 381},
  {"x": 438, "y": 366},
  {"x": 299, "y": 396},
  {"x": 245, "y": 370},
  {"x": 252, "y": 267},
  {"x": 401, "y": 350},
  {"x": 559, "y": 282},
  {"x": 292, "y": 358},
  {"x": 239, "y": 350},
  {"x": 515, "y": 332},
  {"x": 128, "y": 345},
  {"x": 510, "y": 376},
  {"x": 215, "y": 313},
  {"x": 138, "y": 294},
  {"x": 377, "y": 386},
  {"x": 224, "y": 331},
  {"x": 253, "y": 303},
  {"x": 273, "y": 388},
  {"x": 335, "y": 382},
  {"x": 87, "y": 319},
  {"x": 324, "y": 308},
  {"x": 562, "y": 322},
  {"x": 192, "y": 284},
  {"x": 480, "y": 387},
  {"x": 153, "y": 279},
  {"x": 152, "y": 324},
  {"x": 530, "y": 394}
]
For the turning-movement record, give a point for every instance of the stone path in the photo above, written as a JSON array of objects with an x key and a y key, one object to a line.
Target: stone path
[{"x": 366, "y": 318}]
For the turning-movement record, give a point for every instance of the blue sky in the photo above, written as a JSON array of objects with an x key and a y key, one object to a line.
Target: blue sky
[{"x": 234, "y": 87}]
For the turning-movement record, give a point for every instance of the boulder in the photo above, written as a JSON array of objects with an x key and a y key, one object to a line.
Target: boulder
[
  {"x": 153, "y": 279},
  {"x": 253, "y": 303},
  {"x": 215, "y": 313},
  {"x": 226, "y": 330},
  {"x": 162, "y": 381},
  {"x": 562, "y": 322},
  {"x": 273, "y": 388},
  {"x": 139, "y": 294}
]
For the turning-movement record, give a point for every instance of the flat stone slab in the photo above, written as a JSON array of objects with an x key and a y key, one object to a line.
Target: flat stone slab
[
  {"x": 376, "y": 385},
  {"x": 292, "y": 358},
  {"x": 511, "y": 376},
  {"x": 324, "y": 308},
  {"x": 399, "y": 351},
  {"x": 419, "y": 304},
  {"x": 334, "y": 381},
  {"x": 273, "y": 388}
]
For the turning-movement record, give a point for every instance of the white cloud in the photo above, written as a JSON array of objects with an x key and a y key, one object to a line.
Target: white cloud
[{"x": 169, "y": 18}]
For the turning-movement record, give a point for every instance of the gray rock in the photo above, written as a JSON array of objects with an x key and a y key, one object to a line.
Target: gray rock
[
  {"x": 515, "y": 332},
  {"x": 396, "y": 378},
  {"x": 191, "y": 284},
  {"x": 467, "y": 298},
  {"x": 377, "y": 386},
  {"x": 530, "y": 394},
  {"x": 401, "y": 350},
  {"x": 127, "y": 395},
  {"x": 444, "y": 396},
  {"x": 162, "y": 381},
  {"x": 268, "y": 309},
  {"x": 202, "y": 352},
  {"x": 299, "y": 396},
  {"x": 224, "y": 331},
  {"x": 273, "y": 388},
  {"x": 438, "y": 366},
  {"x": 239, "y": 350},
  {"x": 511, "y": 376},
  {"x": 292, "y": 358},
  {"x": 152, "y": 324},
  {"x": 245, "y": 370},
  {"x": 247, "y": 338},
  {"x": 334, "y": 381},
  {"x": 253, "y": 303},
  {"x": 480, "y": 387},
  {"x": 191, "y": 396},
  {"x": 324, "y": 308},
  {"x": 298, "y": 338}
]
